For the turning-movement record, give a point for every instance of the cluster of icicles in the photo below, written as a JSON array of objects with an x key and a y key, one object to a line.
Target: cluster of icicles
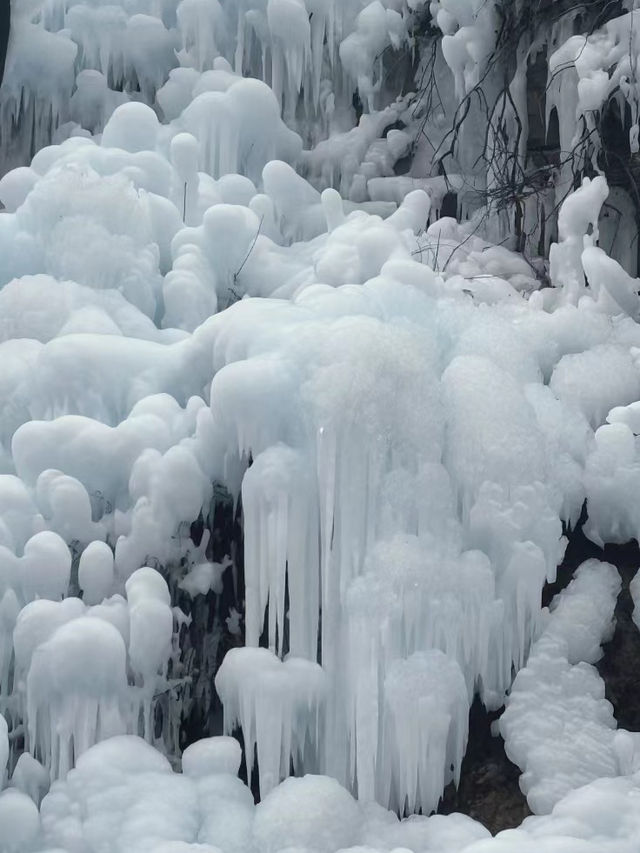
[
  {"x": 416, "y": 439},
  {"x": 81, "y": 670},
  {"x": 70, "y": 64}
]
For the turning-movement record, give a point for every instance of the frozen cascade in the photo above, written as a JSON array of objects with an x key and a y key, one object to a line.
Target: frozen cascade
[
  {"x": 231, "y": 308},
  {"x": 306, "y": 454},
  {"x": 472, "y": 627},
  {"x": 131, "y": 48}
]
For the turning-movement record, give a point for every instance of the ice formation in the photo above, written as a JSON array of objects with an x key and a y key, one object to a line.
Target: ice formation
[
  {"x": 558, "y": 727},
  {"x": 125, "y": 791},
  {"x": 295, "y": 416},
  {"x": 277, "y": 704}
]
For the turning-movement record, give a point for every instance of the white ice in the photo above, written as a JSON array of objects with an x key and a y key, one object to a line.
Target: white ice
[{"x": 213, "y": 275}]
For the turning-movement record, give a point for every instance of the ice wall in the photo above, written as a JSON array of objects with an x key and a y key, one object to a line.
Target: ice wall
[
  {"x": 406, "y": 417},
  {"x": 69, "y": 64}
]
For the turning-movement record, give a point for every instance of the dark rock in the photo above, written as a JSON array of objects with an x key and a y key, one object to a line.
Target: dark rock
[{"x": 489, "y": 788}]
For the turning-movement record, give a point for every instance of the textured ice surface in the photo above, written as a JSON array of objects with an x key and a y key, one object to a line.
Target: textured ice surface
[
  {"x": 124, "y": 791},
  {"x": 558, "y": 726},
  {"x": 212, "y": 275}
]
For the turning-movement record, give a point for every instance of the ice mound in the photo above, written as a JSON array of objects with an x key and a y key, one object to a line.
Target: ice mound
[
  {"x": 558, "y": 727},
  {"x": 124, "y": 791},
  {"x": 19, "y": 822},
  {"x": 211, "y": 756},
  {"x": 295, "y": 814},
  {"x": 597, "y": 381}
]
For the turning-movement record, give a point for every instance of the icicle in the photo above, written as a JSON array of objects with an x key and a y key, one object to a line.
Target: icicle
[
  {"x": 277, "y": 706},
  {"x": 72, "y": 704},
  {"x": 424, "y": 731}
]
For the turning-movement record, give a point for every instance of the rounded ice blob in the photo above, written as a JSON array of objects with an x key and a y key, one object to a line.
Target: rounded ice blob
[
  {"x": 212, "y": 755},
  {"x": 45, "y": 567},
  {"x": 132, "y": 127},
  {"x": 95, "y": 572}
]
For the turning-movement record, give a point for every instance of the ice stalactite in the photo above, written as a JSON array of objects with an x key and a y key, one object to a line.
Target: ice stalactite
[
  {"x": 418, "y": 760},
  {"x": 30, "y": 115},
  {"x": 281, "y": 554},
  {"x": 70, "y": 703},
  {"x": 404, "y": 609},
  {"x": 277, "y": 705}
]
